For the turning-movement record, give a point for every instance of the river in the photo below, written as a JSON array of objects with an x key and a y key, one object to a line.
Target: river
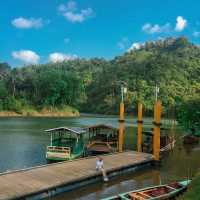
[{"x": 23, "y": 143}]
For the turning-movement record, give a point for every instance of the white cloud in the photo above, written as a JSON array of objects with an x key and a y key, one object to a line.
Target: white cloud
[
  {"x": 181, "y": 24},
  {"x": 122, "y": 44},
  {"x": 72, "y": 14},
  {"x": 60, "y": 57},
  {"x": 26, "y": 56},
  {"x": 24, "y": 23},
  {"x": 70, "y": 6},
  {"x": 78, "y": 17},
  {"x": 135, "y": 46},
  {"x": 151, "y": 29},
  {"x": 196, "y": 34}
]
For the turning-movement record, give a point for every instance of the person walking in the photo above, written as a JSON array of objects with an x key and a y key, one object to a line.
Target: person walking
[{"x": 100, "y": 167}]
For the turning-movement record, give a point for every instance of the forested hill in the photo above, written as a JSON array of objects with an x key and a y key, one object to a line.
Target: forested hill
[{"x": 93, "y": 85}]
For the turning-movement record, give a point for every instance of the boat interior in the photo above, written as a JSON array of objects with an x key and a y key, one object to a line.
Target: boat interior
[
  {"x": 151, "y": 193},
  {"x": 66, "y": 140},
  {"x": 102, "y": 139}
]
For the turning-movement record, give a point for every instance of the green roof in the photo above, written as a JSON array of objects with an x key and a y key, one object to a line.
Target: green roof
[{"x": 75, "y": 130}]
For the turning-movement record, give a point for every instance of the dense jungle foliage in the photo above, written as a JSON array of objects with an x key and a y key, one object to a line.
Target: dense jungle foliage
[{"x": 93, "y": 85}]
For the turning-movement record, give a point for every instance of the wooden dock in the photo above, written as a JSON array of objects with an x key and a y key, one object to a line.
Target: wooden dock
[{"x": 48, "y": 180}]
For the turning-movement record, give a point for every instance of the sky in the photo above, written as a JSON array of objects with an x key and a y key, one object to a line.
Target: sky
[{"x": 41, "y": 31}]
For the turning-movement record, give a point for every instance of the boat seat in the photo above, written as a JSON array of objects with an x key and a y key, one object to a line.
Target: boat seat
[
  {"x": 139, "y": 196},
  {"x": 175, "y": 185},
  {"x": 158, "y": 191}
]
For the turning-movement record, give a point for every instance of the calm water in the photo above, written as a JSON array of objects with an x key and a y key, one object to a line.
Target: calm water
[
  {"x": 23, "y": 140},
  {"x": 23, "y": 143}
]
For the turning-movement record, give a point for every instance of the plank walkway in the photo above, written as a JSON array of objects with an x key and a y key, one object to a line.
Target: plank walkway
[{"x": 29, "y": 182}]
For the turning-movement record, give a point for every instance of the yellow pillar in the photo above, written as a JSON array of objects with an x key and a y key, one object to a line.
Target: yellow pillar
[
  {"x": 121, "y": 128},
  {"x": 156, "y": 131},
  {"x": 121, "y": 113},
  {"x": 139, "y": 129}
]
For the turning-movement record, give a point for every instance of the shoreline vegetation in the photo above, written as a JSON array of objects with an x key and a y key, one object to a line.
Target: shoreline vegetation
[
  {"x": 93, "y": 85},
  {"x": 65, "y": 111}
]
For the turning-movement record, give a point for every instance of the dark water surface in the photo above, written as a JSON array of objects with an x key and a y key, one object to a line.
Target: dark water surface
[{"x": 23, "y": 144}]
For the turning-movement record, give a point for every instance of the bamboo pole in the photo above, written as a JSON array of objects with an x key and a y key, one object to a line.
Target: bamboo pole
[
  {"x": 156, "y": 131},
  {"x": 51, "y": 139},
  {"x": 139, "y": 129}
]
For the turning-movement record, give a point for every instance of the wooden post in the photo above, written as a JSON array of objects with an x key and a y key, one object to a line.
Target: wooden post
[
  {"x": 121, "y": 128},
  {"x": 156, "y": 131},
  {"x": 121, "y": 136},
  {"x": 139, "y": 130}
]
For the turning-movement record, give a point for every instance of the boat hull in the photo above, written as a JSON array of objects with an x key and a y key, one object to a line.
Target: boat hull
[
  {"x": 59, "y": 158},
  {"x": 62, "y": 156},
  {"x": 162, "y": 192}
]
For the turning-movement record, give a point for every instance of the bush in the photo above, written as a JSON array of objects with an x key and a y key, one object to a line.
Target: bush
[
  {"x": 189, "y": 113},
  {"x": 1, "y": 105},
  {"x": 12, "y": 104}
]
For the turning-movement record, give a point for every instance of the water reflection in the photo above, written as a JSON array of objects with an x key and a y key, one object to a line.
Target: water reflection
[{"x": 116, "y": 185}]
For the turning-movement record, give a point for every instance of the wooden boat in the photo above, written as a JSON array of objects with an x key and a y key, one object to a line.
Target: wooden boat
[
  {"x": 167, "y": 142},
  {"x": 190, "y": 139},
  {"x": 167, "y": 191},
  {"x": 102, "y": 139},
  {"x": 66, "y": 144}
]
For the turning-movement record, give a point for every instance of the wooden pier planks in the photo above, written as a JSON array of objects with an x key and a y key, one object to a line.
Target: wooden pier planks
[{"x": 22, "y": 183}]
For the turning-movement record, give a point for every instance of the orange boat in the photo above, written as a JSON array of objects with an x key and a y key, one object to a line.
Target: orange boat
[{"x": 102, "y": 139}]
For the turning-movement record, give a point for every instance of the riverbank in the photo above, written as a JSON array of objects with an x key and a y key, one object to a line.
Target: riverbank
[
  {"x": 65, "y": 111},
  {"x": 193, "y": 192}
]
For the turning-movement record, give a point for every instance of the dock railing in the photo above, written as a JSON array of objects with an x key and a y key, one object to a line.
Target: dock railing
[{"x": 58, "y": 149}]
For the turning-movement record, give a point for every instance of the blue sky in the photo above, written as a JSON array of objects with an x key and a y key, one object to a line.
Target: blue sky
[{"x": 43, "y": 31}]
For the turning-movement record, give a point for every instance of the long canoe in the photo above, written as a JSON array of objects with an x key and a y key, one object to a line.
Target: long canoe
[{"x": 154, "y": 193}]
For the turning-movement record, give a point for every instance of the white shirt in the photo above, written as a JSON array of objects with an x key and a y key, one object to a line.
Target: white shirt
[{"x": 99, "y": 164}]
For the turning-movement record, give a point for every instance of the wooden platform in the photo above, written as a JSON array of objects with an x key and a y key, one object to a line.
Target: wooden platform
[{"x": 48, "y": 180}]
